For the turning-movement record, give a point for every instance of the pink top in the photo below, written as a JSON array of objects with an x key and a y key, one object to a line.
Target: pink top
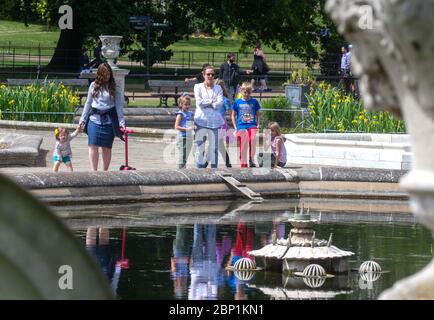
[{"x": 282, "y": 153}]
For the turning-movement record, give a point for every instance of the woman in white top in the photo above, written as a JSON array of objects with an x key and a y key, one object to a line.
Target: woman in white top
[
  {"x": 103, "y": 116},
  {"x": 209, "y": 99}
]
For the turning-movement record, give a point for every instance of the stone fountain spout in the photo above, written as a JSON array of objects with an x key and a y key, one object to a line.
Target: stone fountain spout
[
  {"x": 394, "y": 59},
  {"x": 301, "y": 249}
]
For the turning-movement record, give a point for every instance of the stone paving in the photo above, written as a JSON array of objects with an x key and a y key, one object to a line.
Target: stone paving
[{"x": 144, "y": 153}]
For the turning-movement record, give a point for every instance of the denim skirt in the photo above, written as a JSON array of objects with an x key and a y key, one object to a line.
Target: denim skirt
[{"x": 100, "y": 135}]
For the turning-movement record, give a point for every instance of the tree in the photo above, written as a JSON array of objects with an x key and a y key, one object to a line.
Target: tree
[
  {"x": 293, "y": 25},
  {"x": 8, "y": 8},
  {"x": 331, "y": 42},
  {"x": 91, "y": 19}
]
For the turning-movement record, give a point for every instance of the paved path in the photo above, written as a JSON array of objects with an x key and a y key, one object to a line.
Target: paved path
[{"x": 144, "y": 153}]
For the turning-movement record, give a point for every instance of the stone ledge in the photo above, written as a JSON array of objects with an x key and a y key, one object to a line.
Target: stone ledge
[
  {"x": 146, "y": 177},
  {"x": 205, "y": 184},
  {"x": 382, "y": 151},
  {"x": 361, "y": 174},
  {"x": 22, "y": 150}
]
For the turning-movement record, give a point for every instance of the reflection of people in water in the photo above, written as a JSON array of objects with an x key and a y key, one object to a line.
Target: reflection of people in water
[
  {"x": 180, "y": 261},
  {"x": 223, "y": 248},
  {"x": 271, "y": 232},
  {"x": 243, "y": 244},
  {"x": 98, "y": 246},
  {"x": 204, "y": 269}
]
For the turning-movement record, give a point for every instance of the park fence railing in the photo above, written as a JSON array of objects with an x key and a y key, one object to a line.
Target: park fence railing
[{"x": 19, "y": 57}]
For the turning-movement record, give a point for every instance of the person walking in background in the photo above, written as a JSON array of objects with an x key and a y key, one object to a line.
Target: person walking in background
[
  {"x": 260, "y": 68},
  {"x": 353, "y": 82},
  {"x": 224, "y": 129},
  {"x": 209, "y": 99},
  {"x": 246, "y": 119},
  {"x": 103, "y": 116},
  {"x": 345, "y": 69},
  {"x": 230, "y": 73},
  {"x": 62, "y": 150},
  {"x": 185, "y": 125}
]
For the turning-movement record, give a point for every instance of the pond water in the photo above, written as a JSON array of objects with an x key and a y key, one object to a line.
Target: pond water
[{"x": 187, "y": 259}]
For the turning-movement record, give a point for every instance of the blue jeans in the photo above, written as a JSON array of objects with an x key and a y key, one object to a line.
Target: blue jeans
[
  {"x": 204, "y": 242},
  {"x": 201, "y": 135}
]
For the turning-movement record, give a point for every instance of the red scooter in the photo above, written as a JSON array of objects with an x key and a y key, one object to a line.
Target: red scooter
[{"x": 126, "y": 166}]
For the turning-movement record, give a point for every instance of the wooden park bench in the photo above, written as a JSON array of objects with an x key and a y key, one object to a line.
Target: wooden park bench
[{"x": 166, "y": 89}]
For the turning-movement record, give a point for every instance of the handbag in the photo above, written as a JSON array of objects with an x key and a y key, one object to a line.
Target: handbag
[{"x": 266, "y": 67}]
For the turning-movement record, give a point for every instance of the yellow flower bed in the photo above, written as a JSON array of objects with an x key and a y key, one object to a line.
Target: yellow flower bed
[
  {"x": 49, "y": 97},
  {"x": 330, "y": 110}
]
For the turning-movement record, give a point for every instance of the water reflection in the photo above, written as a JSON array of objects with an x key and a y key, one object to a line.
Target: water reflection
[
  {"x": 180, "y": 261},
  {"x": 100, "y": 249},
  {"x": 204, "y": 270},
  {"x": 98, "y": 246},
  {"x": 188, "y": 261},
  {"x": 296, "y": 288}
]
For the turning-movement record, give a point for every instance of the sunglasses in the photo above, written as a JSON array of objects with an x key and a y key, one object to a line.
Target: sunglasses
[{"x": 209, "y": 74}]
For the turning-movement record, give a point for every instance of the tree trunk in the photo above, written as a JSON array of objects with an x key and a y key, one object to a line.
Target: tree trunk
[{"x": 67, "y": 54}]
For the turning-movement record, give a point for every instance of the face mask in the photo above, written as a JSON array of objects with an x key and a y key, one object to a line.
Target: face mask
[{"x": 232, "y": 61}]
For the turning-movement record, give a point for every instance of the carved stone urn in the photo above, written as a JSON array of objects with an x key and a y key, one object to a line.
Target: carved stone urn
[
  {"x": 110, "y": 48},
  {"x": 393, "y": 54}
]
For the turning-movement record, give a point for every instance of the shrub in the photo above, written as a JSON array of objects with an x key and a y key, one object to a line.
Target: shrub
[
  {"x": 282, "y": 117},
  {"x": 48, "y": 97},
  {"x": 330, "y": 110}
]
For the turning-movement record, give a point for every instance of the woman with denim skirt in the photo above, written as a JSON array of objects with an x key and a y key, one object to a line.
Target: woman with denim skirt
[{"x": 103, "y": 117}]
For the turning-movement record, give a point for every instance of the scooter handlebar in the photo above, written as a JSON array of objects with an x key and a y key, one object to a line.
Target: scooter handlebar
[{"x": 125, "y": 130}]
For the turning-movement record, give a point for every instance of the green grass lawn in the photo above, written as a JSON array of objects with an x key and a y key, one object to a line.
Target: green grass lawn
[
  {"x": 17, "y": 34},
  {"x": 206, "y": 44},
  {"x": 188, "y": 55}
]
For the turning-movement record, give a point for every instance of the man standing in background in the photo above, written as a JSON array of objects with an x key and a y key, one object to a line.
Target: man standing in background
[
  {"x": 229, "y": 73},
  {"x": 345, "y": 69}
]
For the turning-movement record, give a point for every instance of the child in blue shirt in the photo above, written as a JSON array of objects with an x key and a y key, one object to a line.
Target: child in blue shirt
[
  {"x": 245, "y": 118},
  {"x": 185, "y": 125}
]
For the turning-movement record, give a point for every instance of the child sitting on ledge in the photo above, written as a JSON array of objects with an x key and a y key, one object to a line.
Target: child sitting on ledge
[{"x": 274, "y": 139}]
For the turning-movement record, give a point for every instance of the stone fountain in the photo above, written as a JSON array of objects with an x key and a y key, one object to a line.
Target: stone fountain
[
  {"x": 301, "y": 249},
  {"x": 110, "y": 47},
  {"x": 393, "y": 55}
]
